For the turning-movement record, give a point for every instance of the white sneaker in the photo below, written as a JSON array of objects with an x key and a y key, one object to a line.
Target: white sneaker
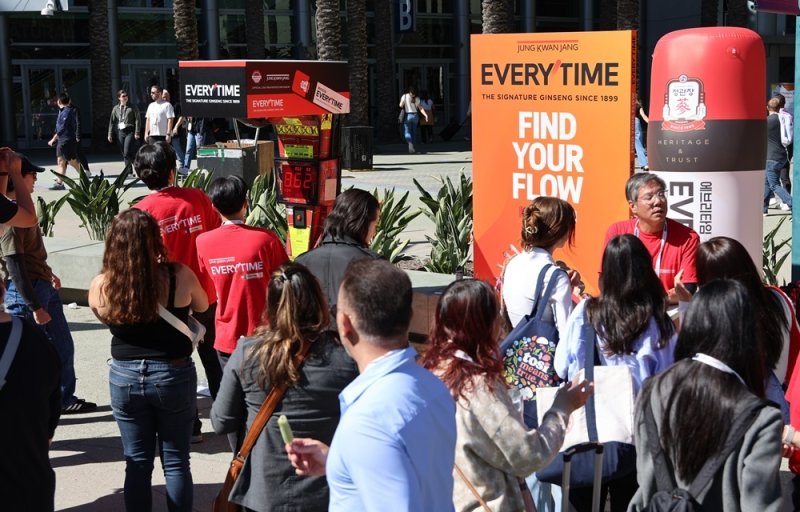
[
  {"x": 411, "y": 148},
  {"x": 785, "y": 207},
  {"x": 773, "y": 201}
]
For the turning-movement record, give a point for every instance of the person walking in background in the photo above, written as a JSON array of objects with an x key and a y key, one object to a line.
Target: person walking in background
[
  {"x": 159, "y": 118},
  {"x": 495, "y": 450},
  {"x": 124, "y": 121},
  {"x": 295, "y": 314},
  {"x": 198, "y": 133},
  {"x": 33, "y": 293},
  {"x": 239, "y": 260},
  {"x": 777, "y": 159},
  {"x": 426, "y": 124},
  {"x": 152, "y": 379},
  {"x": 395, "y": 443},
  {"x": 409, "y": 102},
  {"x": 178, "y": 132},
  {"x": 638, "y": 135},
  {"x": 787, "y": 139},
  {"x": 65, "y": 139},
  {"x": 183, "y": 214},
  {"x": 695, "y": 404},
  {"x": 78, "y": 148}
]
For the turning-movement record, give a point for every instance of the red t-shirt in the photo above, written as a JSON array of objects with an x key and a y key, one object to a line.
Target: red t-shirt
[
  {"x": 183, "y": 214},
  {"x": 680, "y": 249},
  {"x": 239, "y": 260}
]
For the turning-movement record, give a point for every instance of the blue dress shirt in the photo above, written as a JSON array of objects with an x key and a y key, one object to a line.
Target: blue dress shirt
[{"x": 394, "y": 447}]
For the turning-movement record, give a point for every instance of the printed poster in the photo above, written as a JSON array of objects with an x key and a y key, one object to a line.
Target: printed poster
[{"x": 553, "y": 116}]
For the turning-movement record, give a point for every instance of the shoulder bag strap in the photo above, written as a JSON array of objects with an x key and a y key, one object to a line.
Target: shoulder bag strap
[
  {"x": 544, "y": 300},
  {"x": 268, "y": 407},
  {"x": 11, "y": 349},
  {"x": 472, "y": 488},
  {"x": 175, "y": 322},
  {"x": 590, "y": 337},
  {"x": 537, "y": 292},
  {"x": 738, "y": 429},
  {"x": 664, "y": 479}
]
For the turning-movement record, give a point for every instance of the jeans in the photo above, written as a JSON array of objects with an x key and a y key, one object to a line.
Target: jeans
[
  {"x": 193, "y": 141},
  {"x": 410, "y": 127},
  {"x": 178, "y": 143},
  {"x": 155, "y": 402},
  {"x": 772, "y": 183},
  {"x": 641, "y": 153},
  {"x": 57, "y": 330}
]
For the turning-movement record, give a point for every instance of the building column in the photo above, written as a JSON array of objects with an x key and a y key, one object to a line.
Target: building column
[
  {"x": 302, "y": 29},
  {"x": 528, "y": 15},
  {"x": 211, "y": 25},
  {"x": 113, "y": 49},
  {"x": 9, "y": 126},
  {"x": 462, "y": 33},
  {"x": 587, "y": 21}
]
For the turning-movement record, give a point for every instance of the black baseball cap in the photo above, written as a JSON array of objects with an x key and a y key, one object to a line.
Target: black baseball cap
[{"x": 27, "y": 165}]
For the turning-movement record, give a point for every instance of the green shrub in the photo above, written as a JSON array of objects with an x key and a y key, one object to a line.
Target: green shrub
[
  {"x": 197, "y": 178},
  {"x": 95, "y": 200},
  {"x": 451, "y": 214},
  {"x": 771, "y": 262},
  {"x": 46, "y": 213},
  {"x": 265, "y": 210},
  {"x": 393, "y": 220}
]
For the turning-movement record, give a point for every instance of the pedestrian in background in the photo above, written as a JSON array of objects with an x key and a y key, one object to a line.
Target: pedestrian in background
[
  {"x": 124, "y": 121},
  {"x": 409, "y": 102},
  {"x": 65, "y": 139},
  {"x": 159, "y": 118},
  {"x": 426, "y": 124}
]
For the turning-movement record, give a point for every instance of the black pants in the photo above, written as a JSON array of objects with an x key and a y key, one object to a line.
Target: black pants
[
  {"x": 208, "y": 356},
  {"x": 620, "y": 491},
  {"x": 152, "y": 139},
  {"x": 128, "y": 145}
]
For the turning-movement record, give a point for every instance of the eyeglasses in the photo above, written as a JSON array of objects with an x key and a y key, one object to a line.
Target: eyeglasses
[
  {"x": 661, "y": 194},
  {"x": 123, "y": 95}
]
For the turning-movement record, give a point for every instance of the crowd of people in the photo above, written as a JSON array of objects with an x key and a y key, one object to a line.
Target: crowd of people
[{"x": 711, "y": 353}]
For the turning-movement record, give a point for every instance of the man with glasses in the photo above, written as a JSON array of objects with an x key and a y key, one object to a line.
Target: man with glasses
[
  {"x": 125, "y": 121},
  {"x": 159, "y": 118},
  {"x": 671, "y": 244}
]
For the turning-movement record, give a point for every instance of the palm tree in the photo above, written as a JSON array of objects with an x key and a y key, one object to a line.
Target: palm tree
[
  {"x": 385, "y": 75},
  {"x": 329, "y": 30},
  {"x": 185, "y": 15},
  {"x": 101, "y": 70},
  {"x": 738, "y": 14},
  {"x": 708, "y": 13},
  {"x": 607, "y": 15},
  {"x": 497, "y": 16},
  {"x": 254, "y": 29},
  {"x": 357, "y": 58},
  {"x": 627, "y": 14}
]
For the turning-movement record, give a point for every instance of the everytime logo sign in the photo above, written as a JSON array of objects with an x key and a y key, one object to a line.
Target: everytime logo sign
[{"x": 552, "y": 116}]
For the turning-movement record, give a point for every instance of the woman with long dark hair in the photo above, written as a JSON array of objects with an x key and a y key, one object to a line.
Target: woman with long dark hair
[
  {"x": 346, "y": 235},
  {"x": 633, "y": 330},
  {"x": 152, "y": 377},
  {"x": 494, "y": 448},
  {"x": 296, "y": 313},
  {"x": 695, "y": 402},
  {"x": 725, "y": 258}
]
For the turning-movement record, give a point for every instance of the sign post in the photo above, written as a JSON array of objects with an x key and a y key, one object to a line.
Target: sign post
[{"x": 302, "y": 100}]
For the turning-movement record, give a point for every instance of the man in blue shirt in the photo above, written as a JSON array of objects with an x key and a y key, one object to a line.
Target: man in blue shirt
[
  {"x": 394, "y": 447},
  {"x": 67, "y": 138}
]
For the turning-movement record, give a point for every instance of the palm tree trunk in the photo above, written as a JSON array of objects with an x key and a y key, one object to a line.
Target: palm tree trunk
[
  {"x": 386, "y": 79},
  {"x": 357, "y": 57},
  {"x": 254, "y": 29},
  {"x": 99, "y": 56},
  {"x": 709, "y": 9},
  {"x": 186, "y": 29},
  {"x": 497, "y": 16},
  {"x": 607, "y": 15},
  {"x": 627, "y": 14},
  {"x": 738, "y": 14},
  {"x": 329, "y": 30}
]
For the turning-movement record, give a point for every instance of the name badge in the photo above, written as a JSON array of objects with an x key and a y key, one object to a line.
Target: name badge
[
  {"x": 189, "y": 126},
  {"x": 121, "y": 125}
]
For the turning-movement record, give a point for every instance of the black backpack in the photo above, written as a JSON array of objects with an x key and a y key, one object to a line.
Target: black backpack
[{"x": 671, "y": 498}]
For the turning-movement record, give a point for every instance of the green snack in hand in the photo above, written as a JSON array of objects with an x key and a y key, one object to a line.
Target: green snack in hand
[{"x": 286, "y": 430}]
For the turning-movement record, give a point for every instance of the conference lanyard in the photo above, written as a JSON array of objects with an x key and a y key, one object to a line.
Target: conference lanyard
[{"x": 660, "y": 249}]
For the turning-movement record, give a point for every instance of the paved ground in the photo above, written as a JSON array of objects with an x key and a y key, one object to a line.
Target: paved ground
[{"x": 87, "y": 453}]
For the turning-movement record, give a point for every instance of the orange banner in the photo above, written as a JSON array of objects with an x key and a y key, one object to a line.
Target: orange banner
[{"x": 552, "y": 116}]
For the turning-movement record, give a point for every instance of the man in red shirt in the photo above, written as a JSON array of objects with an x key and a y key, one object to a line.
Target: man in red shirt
[
  {"x": 671, "y": 244},
  {"x": 183, "y": 214},
  {"x": 239, "y": 259}
]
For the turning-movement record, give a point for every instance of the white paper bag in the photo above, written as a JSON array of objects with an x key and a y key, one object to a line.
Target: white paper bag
[{"x": 614, "y": 407}]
